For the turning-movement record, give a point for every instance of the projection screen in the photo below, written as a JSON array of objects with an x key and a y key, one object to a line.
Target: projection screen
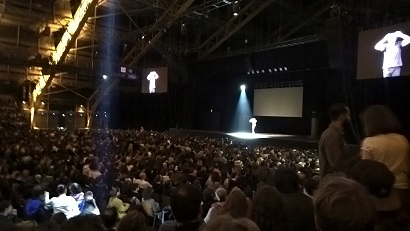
[{"x": 278, "y": 102}]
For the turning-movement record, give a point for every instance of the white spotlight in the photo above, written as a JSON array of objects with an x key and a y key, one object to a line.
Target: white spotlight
[
  {"x": 105, "y": 76},
  {"x": 24, "y": 102},
  {"x": 270, "y": 70},
  {"x": 285, "y": 68},
  {"x": 280, "y": 68},
  {"x": 243, "y": 87},
  {"x": 63, "y": 115},
  {"x": 42, "y": 103},
  {"x": 263, "y": 71}
]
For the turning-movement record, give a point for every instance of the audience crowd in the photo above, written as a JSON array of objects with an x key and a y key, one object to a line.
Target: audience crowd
[{"x": 144, "y": 180}]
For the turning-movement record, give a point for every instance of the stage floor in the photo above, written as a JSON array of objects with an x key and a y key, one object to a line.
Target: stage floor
[{"x": 282, "y": 140}]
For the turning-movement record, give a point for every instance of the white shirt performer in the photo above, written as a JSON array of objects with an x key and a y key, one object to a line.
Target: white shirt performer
[
  {"x": 391, "y": 46},
  {"x": 152, "y": 77},
  {"x": 253, "y": 121}
]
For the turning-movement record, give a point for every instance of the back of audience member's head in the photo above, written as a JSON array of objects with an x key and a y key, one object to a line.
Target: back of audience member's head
[
  {"x": 186, "y": 203},
  {"x": 55, "y": 222},
  {"x": 61, "y": 189},
  {"x": 337, "y": 110},
  {"x": 379, "y": 119},
  {"x": 227, "y": 222},
  {"x": 268, "y": 210},
  {"x": 207, "y": 195},
  {"x": 310, "y": 186},
  {"x": 221, "y": 194},
  {"x": 5, "y": 207},
  {"x": 83, "y": 223},
  {"x": 110, "y": 217},
  {"x": 286, "y": 180},
  {"x": 378, "y": 180},
  {"x": 236, "y": 204},
  {"x": 89, "y": 196},
  {"x": 75, "y": 188},
  {"x": 115, "y": 191},
  {"x": 342, "y": 204},
  {"x": 133, "y": 221}
]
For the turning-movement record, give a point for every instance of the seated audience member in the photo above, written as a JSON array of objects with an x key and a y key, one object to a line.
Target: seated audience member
[
  {"x": 35, "y": 206},
  {"x": 83, "y": 223},
  {"x": 78, "y": 195},
  {"x": 7, "y": 214},
  {"x": 342, "y": 204},
  {"x": 63, "y": 203},
  {"x": 141, "y": 182},
  {"x": 186, "y": 208},
  {"x": 297, "y": 205},
  {"x": 55, "y": 222},
  {"x": 379, "y": 180},
  {"x": 207, "y": 201},
  {"x": 90, "y": 206},
  {"x": 268, "y": 210},
  {"x": 236, "y": 205},
  {"x": 385, "y": 144},
  {"x": 310, "y": 187},
  {"x": 225, "y": 222},
  {"x": 110, "y": 218},
  {"x": 148, "y": 203},
  {"x": 220, "y": 196},
  {"x": 133, "y": 221},
  {"x": 94, "y": 172},
  {"x": 117, "y": 203}
]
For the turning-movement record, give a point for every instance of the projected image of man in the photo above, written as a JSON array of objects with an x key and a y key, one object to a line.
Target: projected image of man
[
  {"x": 152, "y": 77},
  {"x": 391, "y": 46}
]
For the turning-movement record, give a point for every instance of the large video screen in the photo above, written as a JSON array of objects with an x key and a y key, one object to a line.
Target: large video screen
[
  {"x": 384, "y": 52},
  {"x": 279, "y": 102},
  {"x": 155, "y": 80}
]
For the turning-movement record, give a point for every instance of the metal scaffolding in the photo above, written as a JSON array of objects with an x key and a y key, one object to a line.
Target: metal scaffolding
[{"x": 245, "y": 15}]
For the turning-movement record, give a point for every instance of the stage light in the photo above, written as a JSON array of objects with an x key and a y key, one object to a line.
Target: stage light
[
  {"x": 263, "y": 71},
  {"x": 249, "y": 73},
  {"x": 63, "y": 115},
  {"x": 275, "y": 69},
  {"x": 253, "y": 72},
  {"x": 285, "y": 68},
  {"x": 42, "y": 103},
  {"x": 280, "y": 68},
  {"x": 24, "y": 102},
  {"x": 105, "y": 76},
  {"x": 257, "y": 72},
  {"x": 235, "y": 8},
  {"x": 270, "y": 70},
  {"x": 143, "y": 36},
  {"x": 243, "y": 87},
  {"x": 81, "y": 106},
  {"x": 54, "y": 113}
]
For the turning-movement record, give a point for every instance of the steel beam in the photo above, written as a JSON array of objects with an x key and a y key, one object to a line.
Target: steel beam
[
  {"x": 304, "y": 18},
  {"x": 169, "y": 16},
  {"x": 245, "y": 15},
  {"x": 67, "y": 41}
]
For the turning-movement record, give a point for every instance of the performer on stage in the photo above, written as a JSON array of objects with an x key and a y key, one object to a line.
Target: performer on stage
[{"x": 253, "y": 121}]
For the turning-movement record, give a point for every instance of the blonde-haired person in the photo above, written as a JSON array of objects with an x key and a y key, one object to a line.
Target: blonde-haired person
[
  {"x": 385, "y": 144},
  {"x": 226, "y": 222}
]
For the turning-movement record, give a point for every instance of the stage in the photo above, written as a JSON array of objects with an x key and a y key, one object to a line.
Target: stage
[{"x": 280, "y": 140}]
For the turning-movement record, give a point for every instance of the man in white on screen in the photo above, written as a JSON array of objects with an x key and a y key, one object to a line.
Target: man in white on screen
[
  {"x": 253, "y": 121},
  {"x": 391, "y": 46},
  {"x": 63, "y": 203},
  {"x": 152, "y": 77}
]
